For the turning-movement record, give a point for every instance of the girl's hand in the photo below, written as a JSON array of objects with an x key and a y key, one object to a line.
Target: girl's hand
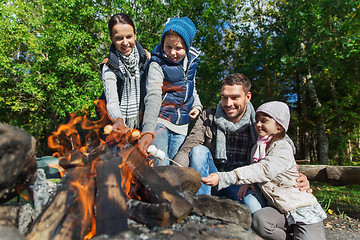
[
  {"x": 194, "y": 113},
  {"x": 212, "y": 179},
  {"x": 243, "y": 190},
  {"x": 119, "y": 125}
]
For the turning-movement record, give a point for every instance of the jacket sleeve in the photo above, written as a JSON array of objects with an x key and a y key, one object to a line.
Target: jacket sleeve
[
  {"x": 197, "y": 103},
  {"x": 279, "y": 159},
  {"x": 111, "y": 93},
  {"x": 153, "y": 100},
  {"x": 195, "y": 138}
]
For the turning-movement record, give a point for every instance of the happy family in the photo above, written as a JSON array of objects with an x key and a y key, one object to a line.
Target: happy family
[{"x": 241, "y": 153}]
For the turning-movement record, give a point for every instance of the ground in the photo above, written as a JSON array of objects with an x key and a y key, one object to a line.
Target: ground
[{"x": 342, "y": 227}]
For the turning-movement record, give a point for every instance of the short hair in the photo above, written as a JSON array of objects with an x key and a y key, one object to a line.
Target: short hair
[
  {"x": 120, "y": 18},
  {"x": 237, "y": 79}
]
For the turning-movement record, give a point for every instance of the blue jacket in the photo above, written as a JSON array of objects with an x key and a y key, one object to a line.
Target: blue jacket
[{"x": 178, "y": 85}]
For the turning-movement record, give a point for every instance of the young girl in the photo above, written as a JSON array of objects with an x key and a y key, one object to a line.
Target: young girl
[
  {"x": 275, "y": 170},
  {"x": 171, "y": 97}
]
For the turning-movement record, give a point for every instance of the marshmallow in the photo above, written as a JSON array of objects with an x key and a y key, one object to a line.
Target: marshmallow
[{"x": 156, "y": 152}]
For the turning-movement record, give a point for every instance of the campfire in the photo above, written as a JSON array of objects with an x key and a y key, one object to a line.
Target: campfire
[
  {"x": 102, "y": 188},
  {"x": 108, "y": 190}
]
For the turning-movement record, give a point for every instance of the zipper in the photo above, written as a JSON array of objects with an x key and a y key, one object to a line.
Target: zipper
[{"x": 186, "y": 84}]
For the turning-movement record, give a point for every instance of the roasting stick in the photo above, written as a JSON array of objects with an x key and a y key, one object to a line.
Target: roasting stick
[
  {"x": 152, "y": 149},
  {"x": 160, "y": 155}
]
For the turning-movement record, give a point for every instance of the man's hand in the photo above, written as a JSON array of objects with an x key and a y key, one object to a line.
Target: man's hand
[
  {"x": 243, "y": 190},
  {"x": 212, "y": 179},
  {"x": 302, "y": 182},
  {"x": 194, "y": 113}
]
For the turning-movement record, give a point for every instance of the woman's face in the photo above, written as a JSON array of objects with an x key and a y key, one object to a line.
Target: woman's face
[{"x": 123, "y": 36}]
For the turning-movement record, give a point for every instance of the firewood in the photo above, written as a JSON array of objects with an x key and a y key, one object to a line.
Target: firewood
[
  {"x": 110, "y": 202},
  {"x": 78, "y": 222},
  {"x": 149, "y": 186},
  {"x": 54, "y": 214},
  {"x": 150, "y": 214},
  {"x": 17, "y": 161}
]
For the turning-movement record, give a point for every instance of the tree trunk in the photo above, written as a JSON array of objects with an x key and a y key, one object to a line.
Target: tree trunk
[{"x": 322, "y": 140}]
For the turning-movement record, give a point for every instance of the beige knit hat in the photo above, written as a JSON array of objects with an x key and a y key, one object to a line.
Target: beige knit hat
[{"x": 278, "y": 111}]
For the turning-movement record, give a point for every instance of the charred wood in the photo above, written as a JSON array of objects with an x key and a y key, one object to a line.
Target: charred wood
[
  {"x": 148, "y": 186},
  {"x": 17, "y": 161},
  {"x": 110, "y": 203}
]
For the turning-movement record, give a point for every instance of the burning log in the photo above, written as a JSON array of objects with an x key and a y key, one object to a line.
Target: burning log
[
  {"x": 110, "y": 203},
  {"x": 149, "y": 186},
  {"x": 49, "y": 223}
]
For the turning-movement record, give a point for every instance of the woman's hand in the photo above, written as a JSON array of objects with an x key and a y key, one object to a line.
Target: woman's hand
[
  {"x": 194, "y": 113},
  {"x": 243, "y": 190},
  {"x": 119, "y": 125},
  {"x": 212, "y": 179}
]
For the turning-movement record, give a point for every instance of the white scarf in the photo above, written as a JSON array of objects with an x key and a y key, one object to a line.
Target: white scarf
[{"x": 130, "y": 99}]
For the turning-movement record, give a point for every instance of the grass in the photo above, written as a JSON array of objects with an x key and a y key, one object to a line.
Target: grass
[{"x": 342, "y": 200}]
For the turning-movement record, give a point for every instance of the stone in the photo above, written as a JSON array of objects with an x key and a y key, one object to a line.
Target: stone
[
  {"x": 17, "y": 161},
  {"x": 220, "y": 208}
]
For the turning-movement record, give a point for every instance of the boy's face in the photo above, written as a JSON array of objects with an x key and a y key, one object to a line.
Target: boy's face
[
  {"x": 233, "y": 101},
  {"x": 174, "y": 48}
]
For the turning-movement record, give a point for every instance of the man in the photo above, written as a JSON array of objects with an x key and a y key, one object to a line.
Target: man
[{"x": 222, "y": 138}]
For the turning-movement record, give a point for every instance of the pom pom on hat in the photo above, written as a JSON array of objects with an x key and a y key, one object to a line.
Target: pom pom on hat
[
  {"x": 182, "y": 26},
  {"x": 278, "y": 111}
]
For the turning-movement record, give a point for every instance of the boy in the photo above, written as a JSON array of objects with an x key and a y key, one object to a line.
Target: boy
[{"x": 171, "y": 97}]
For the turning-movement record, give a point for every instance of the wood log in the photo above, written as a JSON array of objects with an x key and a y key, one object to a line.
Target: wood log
[
  {"x": 149, "y": 186},
  {"x": 150, "y": 214},
  {"x": 335, "y": 175},
  {"x": 78, "y": 222},
  {"x": 110, "y": 202},
  {"x": 17, "y": 161},
  {"x": 54, "y": 214}
]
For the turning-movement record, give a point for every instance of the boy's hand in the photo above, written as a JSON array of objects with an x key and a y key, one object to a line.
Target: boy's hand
[
  {"x": 194, "y": 113},
  {"x": 243, "y": 190},
  {"x": 145, "y": 142},
  {"x": 212, "y": 179}
]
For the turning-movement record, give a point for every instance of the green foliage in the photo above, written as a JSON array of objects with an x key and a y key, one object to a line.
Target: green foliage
[{"x": 339, "y": 200}]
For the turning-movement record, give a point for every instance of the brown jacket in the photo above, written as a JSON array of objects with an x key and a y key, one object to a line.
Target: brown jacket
[{"x": 203, "y": 133}]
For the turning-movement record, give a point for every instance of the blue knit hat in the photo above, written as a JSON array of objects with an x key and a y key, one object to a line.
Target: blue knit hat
[{"x": 182, "y": 26}]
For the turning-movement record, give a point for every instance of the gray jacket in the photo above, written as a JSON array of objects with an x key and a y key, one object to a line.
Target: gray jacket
[{"x": 276, "y": 175}]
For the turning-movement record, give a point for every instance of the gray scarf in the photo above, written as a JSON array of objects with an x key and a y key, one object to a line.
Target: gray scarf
[
  {"x": 224, "y": 125},
  {"x": 130, "y": 100}
]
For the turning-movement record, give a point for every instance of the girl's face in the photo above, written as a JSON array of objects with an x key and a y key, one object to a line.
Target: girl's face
[
  {"x": 123, "y": 36},
  {"x": 174, "y": 48},
  {"x": 266, "y": 125}
]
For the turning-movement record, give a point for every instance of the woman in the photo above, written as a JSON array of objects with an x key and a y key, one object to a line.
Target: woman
[{"x": 123, "y": 74}]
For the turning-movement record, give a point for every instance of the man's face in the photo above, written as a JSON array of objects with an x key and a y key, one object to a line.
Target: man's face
[{"x": 233, "y": 101}]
